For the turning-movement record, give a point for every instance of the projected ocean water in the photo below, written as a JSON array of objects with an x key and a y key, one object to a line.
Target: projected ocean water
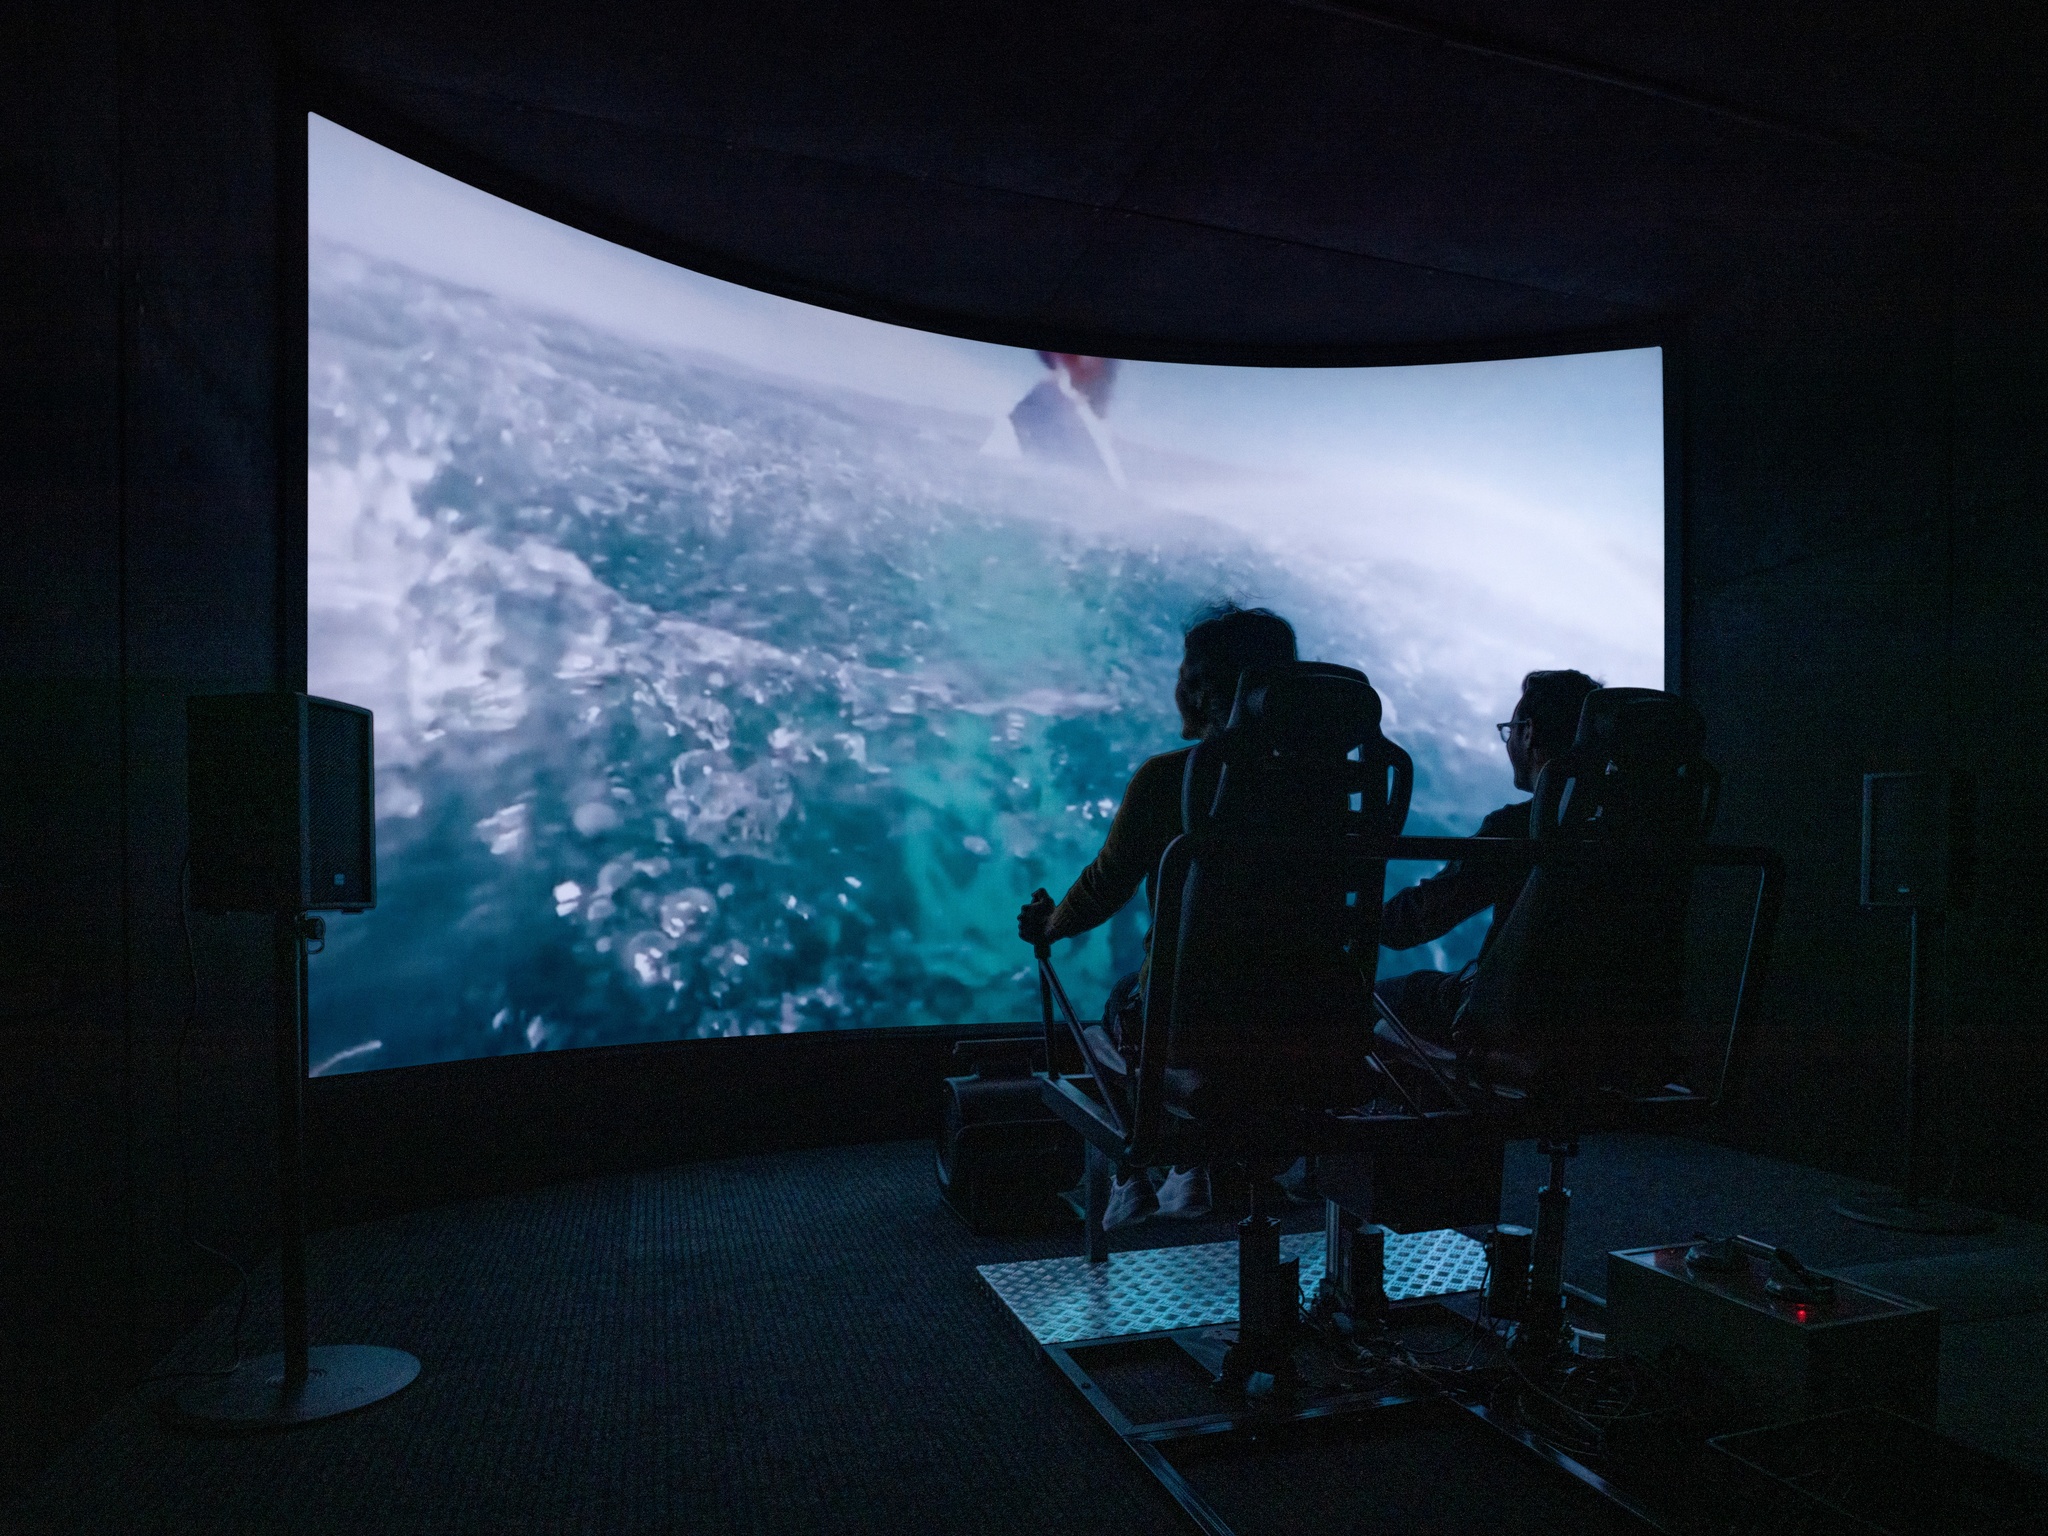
[{"x": 722, "y": 699}]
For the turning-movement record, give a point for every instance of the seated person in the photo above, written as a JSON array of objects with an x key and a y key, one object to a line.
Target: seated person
[
  {"x": 1221, "y": 643},
  {"x": 1545, "y": 720}
]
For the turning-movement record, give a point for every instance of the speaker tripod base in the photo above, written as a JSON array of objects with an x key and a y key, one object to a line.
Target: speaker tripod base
[
  {"x": 341, "y": 1378},
  {"x": 1891, "y": 1209}
]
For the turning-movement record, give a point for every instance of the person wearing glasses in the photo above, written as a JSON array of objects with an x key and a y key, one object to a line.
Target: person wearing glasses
[{"x": 1546, "y": 718}]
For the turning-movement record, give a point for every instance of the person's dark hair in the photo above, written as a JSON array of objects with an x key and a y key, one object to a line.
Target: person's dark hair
[
  {"x": 1551, "y": 701},
  {"x": 1222, "y": 640}
]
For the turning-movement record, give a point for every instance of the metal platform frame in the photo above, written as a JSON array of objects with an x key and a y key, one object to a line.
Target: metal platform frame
[
  {"x": 1145, "y": 1440},
  {"x": 1149, "y": 1291},
  {"x": 1205, "y": 1343},
  {"x": 1130, "y": 1123}
]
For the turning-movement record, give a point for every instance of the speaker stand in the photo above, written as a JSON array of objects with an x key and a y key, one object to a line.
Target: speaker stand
[
  {"x": 1894, "y": 1209},
  {"x": 1913, "y": 1207},
  {"x": 300, "y": 1384}
]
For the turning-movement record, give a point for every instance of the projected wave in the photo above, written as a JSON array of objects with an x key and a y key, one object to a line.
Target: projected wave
[
  {"x": 712, "y": 702},
  {"x": 708, "y": 704}
]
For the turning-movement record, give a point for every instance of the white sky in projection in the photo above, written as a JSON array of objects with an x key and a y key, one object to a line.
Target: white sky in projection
[
  {"x": 1537, "y": 481},
  {"x": 727, "y": 682}
]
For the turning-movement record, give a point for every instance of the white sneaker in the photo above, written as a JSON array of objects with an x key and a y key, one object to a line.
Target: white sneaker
[
  {"x": 1184, "y": 1193},
  {"x": 1130, "y": 1201}
]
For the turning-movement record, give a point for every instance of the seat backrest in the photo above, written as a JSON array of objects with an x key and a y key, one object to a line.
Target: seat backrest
[
  {"x": 1583, "y": 986},
  {"x": 1270, "y": 901},
  {"x": 1302, "y": 754},
  {"x": 1633, "y": 774}
]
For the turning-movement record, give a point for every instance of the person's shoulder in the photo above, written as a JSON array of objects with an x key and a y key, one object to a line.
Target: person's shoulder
[
  {"x": 1161, "y": 775},
  {"x": 1508, "y": 821},
  {"x": 1174, "y": 763}
]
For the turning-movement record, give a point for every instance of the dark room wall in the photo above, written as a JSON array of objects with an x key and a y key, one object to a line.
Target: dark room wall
[
  {"x": 1863, "y": 495},
  {"x": 1999, "y": 687},
  {"x": 139, "y": 482},
  {"x": 1815, "y": 578}
]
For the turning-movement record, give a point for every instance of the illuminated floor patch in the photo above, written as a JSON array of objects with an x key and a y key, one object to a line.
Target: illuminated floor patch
[{"x": 1061, "y": 1301}]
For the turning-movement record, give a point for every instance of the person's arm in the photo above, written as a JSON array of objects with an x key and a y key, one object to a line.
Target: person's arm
[
  {"x": 1431, "y": 908},
  {"x": 1146, "y": 821}
]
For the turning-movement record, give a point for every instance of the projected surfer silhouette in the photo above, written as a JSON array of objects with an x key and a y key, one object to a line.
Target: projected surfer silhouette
[{"x": 1062, "y": 419}]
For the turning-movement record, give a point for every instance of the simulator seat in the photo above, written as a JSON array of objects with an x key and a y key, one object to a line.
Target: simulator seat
[
  {"x": 1255, "y": 1039},
  {"x": 1256, "y": 1005},
  {"x": 1577, "y": 999},
  {"x": 1258, "y": 1040},
  {"x": 1576, "y": 1013}
]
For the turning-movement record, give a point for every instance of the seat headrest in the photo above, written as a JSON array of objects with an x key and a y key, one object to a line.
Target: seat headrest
[
  {"x": 1306, "y": 706},
  {"x": 1640, "y": 723},
  {"x": 1303, "y": 749}
]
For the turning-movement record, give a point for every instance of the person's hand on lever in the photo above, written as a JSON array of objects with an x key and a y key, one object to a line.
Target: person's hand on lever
[{"x": 1034, "y": 917}]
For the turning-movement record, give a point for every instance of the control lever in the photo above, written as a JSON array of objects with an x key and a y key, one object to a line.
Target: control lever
[{"x": 1789, "y": 1279}]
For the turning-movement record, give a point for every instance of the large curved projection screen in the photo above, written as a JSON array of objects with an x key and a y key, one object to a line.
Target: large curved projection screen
[{"x": 739, "y": 666}]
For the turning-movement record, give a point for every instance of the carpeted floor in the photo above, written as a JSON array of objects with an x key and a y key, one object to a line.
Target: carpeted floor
[
  {"x": 783, "y": 1343},
  {"x": 799, "y": 1343}
]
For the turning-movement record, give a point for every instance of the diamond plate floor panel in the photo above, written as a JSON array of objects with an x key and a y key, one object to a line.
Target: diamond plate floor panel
[{"x": 1062, "y": 1301}]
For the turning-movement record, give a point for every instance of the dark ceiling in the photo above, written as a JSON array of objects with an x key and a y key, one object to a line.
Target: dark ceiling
[{"x": 1201, "y": 179}]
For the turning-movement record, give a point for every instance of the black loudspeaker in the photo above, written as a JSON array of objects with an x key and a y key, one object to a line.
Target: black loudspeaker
[
  {"x": 1907, "y": 840},
  {"x": 280, "y": 804},
  {"x": 1916, "y": 848},
  {"x": 1002, "y": 1157}
]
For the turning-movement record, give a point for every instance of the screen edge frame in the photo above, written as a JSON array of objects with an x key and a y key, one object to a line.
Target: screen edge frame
[{"x": 305, "y": 90}]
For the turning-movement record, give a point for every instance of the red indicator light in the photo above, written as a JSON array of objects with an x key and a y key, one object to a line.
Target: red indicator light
[{"x": 1799, "y": 1314}]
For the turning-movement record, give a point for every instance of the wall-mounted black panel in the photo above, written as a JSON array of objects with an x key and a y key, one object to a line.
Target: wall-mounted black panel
[{"x": 1906, "y": 840}]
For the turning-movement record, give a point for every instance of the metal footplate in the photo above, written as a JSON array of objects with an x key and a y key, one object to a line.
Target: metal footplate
[{"x": 1153, "y": 1290}]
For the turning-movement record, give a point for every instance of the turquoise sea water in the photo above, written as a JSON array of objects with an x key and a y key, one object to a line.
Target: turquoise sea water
[{"x": 713, "y": 703}]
